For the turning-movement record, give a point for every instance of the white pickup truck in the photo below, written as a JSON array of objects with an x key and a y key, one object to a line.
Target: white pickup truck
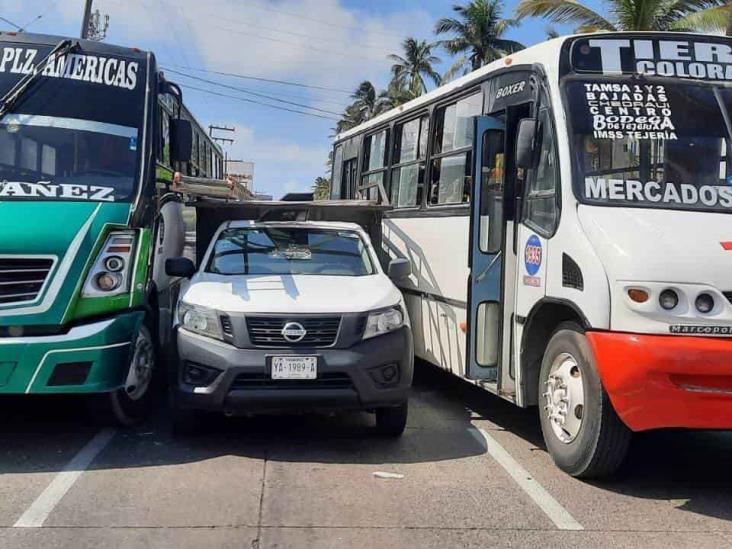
[{"x": 291, "y": 315}]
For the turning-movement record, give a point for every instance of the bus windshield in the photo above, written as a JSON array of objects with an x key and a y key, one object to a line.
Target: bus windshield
[
  {"x": 640, "y": 142},
  {"x": 75, "y": 133}
]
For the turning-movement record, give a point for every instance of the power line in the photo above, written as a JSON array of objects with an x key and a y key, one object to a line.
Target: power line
[
  {"x": 271, "y": 80},
  {"x": 245, "y": 100},
  {"x": 304, "y": 96},
  {"x": 244, "y": 90}
]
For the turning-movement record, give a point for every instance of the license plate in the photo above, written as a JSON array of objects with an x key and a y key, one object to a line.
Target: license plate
[{"x": 294, "y": 367}]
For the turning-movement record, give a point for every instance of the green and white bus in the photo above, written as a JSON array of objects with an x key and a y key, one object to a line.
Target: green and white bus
[{"x": 90, "y": 138}]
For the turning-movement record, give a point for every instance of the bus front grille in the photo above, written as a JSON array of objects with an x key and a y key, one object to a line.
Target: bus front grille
[{"x": 22, "y": 278}]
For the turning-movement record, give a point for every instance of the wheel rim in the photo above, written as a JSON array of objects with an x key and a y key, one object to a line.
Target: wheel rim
[
  {"x": 141, "y": 368},
  {"x": 564, "y": 398}
]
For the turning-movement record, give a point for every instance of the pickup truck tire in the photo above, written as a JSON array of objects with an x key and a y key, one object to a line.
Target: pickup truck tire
[
  {"x": 582, "y": 431},
  {"x": 391, "y": 421}
]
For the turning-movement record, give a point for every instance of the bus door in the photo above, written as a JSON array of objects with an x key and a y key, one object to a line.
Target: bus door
[{"x": 486, "y": 243}]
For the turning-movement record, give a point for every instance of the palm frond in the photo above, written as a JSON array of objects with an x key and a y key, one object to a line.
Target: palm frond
[
  {"x": 563, "y": 11},
  {"x": 714, "y": 19}
]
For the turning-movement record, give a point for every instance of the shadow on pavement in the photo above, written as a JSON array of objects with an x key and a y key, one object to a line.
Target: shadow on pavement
[{"x": 691, "y": 467}]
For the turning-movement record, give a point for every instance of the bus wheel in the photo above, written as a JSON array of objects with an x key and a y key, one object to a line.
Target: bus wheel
[
  {"x": 132, "y": 403},
  {"x": 582, "y": 432}
]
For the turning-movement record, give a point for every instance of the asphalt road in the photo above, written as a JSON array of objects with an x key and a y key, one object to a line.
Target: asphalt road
[{"x": 472, "y": 472}]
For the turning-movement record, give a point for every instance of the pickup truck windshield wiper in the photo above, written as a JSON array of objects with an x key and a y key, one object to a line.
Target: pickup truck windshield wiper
[{"x": 11, "y": 98}]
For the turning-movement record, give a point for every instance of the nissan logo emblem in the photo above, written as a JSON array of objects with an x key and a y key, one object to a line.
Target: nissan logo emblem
[{"x": 293, "y": 332}]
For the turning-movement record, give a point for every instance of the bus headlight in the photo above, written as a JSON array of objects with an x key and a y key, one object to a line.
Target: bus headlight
[
  {"x": 200, "y": 320},
  {"x": 382, "y": 322},
  {"x": 111, "y": 274}
]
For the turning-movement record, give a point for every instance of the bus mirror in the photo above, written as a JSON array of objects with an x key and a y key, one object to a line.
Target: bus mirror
[
  {"x": 399, "y": 268},
  {"x": 525, "y": 143},
  {"x": 180, "y": 266},
  {"x": 181, "y": 140}
]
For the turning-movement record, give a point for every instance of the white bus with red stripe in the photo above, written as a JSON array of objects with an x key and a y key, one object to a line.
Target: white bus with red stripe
[{"x": 567, "y": 214}]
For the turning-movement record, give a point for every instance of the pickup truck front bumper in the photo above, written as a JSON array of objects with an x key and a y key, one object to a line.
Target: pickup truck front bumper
[{"x": 373, "y": 373}]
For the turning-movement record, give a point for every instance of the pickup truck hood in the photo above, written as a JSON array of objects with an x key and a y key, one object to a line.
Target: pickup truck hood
[
  {"x": 291, "y": 293},
  {"x": 661, "y": 245}
]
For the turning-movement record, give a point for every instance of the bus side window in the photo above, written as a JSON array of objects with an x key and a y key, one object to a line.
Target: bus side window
[
  {"x": 452, "y": 151},
  {"x": 541, "y": 205},
  {"x": 336, "y": 175},
  {"x": 407, "y": 174},
  {"x": 491, "y": 191},
  {"x": 348, "y": 179},
  {"x": 374, "y": 165}
]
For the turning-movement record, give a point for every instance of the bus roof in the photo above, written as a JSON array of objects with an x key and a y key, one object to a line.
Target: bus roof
[
  {"x": 542, "y": 53},
  {"x": 545, "y": 53},
  {"x": 52, "y": 40}
]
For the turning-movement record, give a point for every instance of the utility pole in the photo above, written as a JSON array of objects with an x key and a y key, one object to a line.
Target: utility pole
[
  {"x": 87, "y": 18},
  {"x": 225, "y": 140}
]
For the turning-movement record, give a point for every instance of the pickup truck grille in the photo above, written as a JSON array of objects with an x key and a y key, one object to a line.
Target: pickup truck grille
[
  {"x": 21, "y": 279},
  {"x": 267, "y": 331}
]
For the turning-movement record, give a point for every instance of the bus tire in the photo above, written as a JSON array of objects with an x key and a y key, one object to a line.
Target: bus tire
[
  {"x": 392, "y": 421},
  {"x": 582, "y": 432},
  {"x": 133, "y": 402}
]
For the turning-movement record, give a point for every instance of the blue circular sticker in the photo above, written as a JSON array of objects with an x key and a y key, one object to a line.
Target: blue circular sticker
[{"x": 532, "y": 255}]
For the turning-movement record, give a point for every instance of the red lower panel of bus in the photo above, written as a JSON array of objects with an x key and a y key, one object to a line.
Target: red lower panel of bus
[{"x": 666, "y": 381}]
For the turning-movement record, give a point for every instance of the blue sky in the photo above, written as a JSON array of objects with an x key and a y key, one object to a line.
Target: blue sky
[{"x": 331, "y": 44}]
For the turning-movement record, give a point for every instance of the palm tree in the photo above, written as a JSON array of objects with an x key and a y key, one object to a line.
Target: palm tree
[
  {"x": 321, "y": 188},
  {"x": 365, "y": 105},
  {"x": 396, "y": 94},
  {"x": 633, "y": 15},
  {"x": 551, "y": 33},
  {"x": 416, "y": 64},
  {"x": 478, "y": 33}
]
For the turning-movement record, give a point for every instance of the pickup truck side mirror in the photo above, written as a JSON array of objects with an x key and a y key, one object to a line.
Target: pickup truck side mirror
[
  {"x": 180, "y": 266},
  {"x": 181, "y": 140},
  {"x": 526, "y": 135},
  {"x": 399, "y": 268}
]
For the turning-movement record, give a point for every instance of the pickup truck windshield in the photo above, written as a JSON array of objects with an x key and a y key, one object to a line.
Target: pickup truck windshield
[
  {"x": 651, "y": 143},
  {"x": 75, "y": 132},
  {"x": 289, "y": 251}
]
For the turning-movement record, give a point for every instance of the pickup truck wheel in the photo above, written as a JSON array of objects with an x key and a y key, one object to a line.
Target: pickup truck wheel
[
  {"x": 392, "y": 421},
  {"x": 132, "y": 403},
  {"x": 583, "y": 434}
]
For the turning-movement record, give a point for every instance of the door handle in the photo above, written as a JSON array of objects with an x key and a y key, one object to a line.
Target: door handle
[{"x": 485, "y": 272}]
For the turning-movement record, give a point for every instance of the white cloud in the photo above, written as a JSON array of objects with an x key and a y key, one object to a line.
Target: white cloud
[
  {"x": 280, "y": 165},
  {"x": 313, "y": 41}
]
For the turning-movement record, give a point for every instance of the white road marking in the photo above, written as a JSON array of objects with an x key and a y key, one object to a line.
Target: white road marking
[
  {"x": 43, "y": 506},
  {"x": 550, "y": 506}
]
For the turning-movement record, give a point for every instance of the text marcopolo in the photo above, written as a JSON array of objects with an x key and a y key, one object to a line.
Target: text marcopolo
[{"x": 655, "y": 192}]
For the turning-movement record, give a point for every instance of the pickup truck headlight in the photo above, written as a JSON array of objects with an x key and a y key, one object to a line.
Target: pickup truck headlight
[
  {"x": 382, "y": 322},
  {"x": 200, "y": 320},
  {"x": 112, "y": 272}
]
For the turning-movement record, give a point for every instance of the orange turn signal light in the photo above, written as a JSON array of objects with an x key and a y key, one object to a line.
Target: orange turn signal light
[
  {"x": 464, "y": 327},
  {"x": 639, "y": 296}
]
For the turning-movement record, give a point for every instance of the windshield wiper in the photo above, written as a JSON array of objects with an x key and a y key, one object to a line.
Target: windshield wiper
[
  {"x": 727, "y": 122},
  {"x": 11, "y": 98}
]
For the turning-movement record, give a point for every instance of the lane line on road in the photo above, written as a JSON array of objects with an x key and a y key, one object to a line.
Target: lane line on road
[
  {"x": 43, "y": 506},
  {"x": 561, "y": 518}
]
